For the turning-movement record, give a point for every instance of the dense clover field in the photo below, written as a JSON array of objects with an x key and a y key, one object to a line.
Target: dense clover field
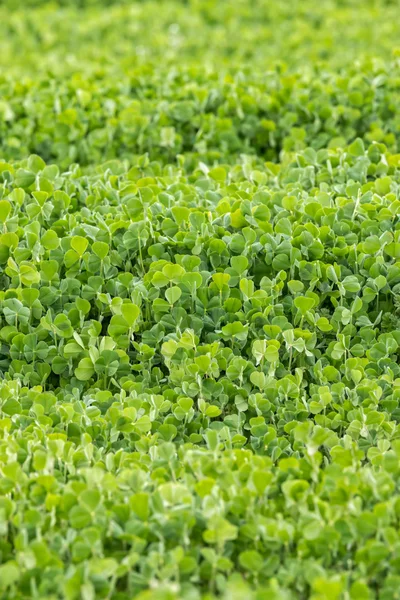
[{"x": 199, "y": 300}]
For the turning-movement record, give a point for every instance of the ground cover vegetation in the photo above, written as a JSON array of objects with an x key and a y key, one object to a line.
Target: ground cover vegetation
[{"x": 199, "y": 300}]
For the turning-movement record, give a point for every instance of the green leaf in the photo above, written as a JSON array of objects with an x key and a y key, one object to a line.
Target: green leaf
[
  {"x": 9, "y": 574},
  {"x": 192, "y": 281},
  {"x": 24, "y": 179},
  {"x": 79, "y": 517},
  {"x": 173, "y": 273},
  {"x": 219, "y": 531},
  {"x": 11, "y": 407},
  {"x": 5, "y": 209},
  {"x": 90, "y": 499},
  {"x": 173, "y": 294},
  {"x": 29, "y": 275},
  {"x": 84, "y": 370},
  {"x": 139, "y": 503},
  {"x": 79, "y": 244},
  {"x": 357, "y": 148},
  {"x": 101, "y": 249},
  {"x": 304, "y": 304},
  {"x": 221, "y": 280},
  {"x": 130, "y": 312},
  {"x": 251, "y": 561},
  {"x": 50, "y": 240},
  {"x": 392, "y": 249}
]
